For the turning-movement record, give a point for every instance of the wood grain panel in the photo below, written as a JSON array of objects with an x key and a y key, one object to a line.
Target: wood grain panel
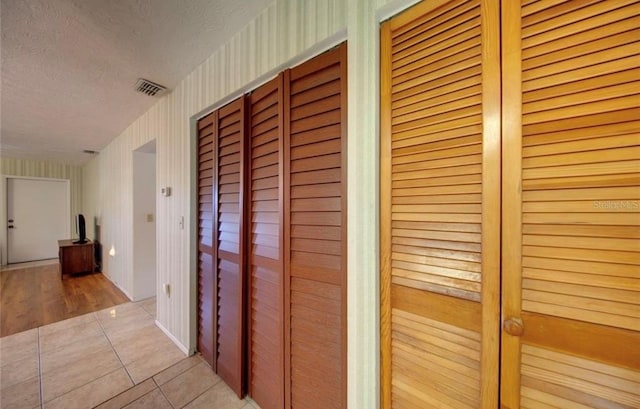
[
  {"x": 207, "y": 322},
  {"x": 315, "y": 232},
  {"x": 592, "y": 155},
  {"x": 266, "y": 261},
  {"x": 571, "y": 265},
  {"x": 593, "y": 381},
  {"x": 435, "y": 363},
  {"x": 443, "y": 106},
  {"x": 230, "y": 245},
  {"x": 440, "y": 209}
]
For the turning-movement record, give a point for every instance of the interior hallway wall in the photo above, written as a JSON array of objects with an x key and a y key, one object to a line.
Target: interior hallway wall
[{"x": 283, "y": 31}]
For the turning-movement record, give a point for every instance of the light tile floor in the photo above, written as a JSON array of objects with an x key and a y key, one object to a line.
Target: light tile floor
[{"x": 114, "y": 358}]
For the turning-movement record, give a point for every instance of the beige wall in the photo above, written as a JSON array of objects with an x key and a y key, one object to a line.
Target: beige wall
[{"x": 284, "y": 34}]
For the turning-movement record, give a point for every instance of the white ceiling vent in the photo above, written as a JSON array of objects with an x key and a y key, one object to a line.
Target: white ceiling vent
[{"x": 149, "y": 88}]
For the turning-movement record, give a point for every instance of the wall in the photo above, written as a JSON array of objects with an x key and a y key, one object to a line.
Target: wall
[
  {"x": 284, "y": 34},
  {"x": 144, "y": 230},
  {"x": 42, "y": 169}
]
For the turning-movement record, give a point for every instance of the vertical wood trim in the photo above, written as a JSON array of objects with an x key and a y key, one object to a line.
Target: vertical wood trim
[
  {"x": 385, "y": 215},
  {"x": 283, "y": 289},
  {"x": 247, "y": 216},
  {"x": 343, "y": 205},
  {"x": 214, "y": 231},
  {"x": 245, "y": 237},
  {"x": 511, "y": 198},
  {"x": 491, "y": 157},
  {"x": 287, "y": 234},
  {"x": 243, "y": 256}
]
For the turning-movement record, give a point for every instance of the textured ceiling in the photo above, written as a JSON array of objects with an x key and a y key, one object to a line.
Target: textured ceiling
[{"x": 69, "y": 67}]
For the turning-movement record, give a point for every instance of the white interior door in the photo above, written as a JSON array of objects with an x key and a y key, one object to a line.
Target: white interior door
[{"x": 37, "y": 217}]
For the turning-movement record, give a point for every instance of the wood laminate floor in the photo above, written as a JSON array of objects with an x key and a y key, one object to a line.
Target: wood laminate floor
[{"x": 31, "y": 297}]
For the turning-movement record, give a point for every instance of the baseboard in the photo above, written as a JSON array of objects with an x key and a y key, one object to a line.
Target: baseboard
[
  {"x": 121, "y": 289},
  {"x": 172, "y": 338}
]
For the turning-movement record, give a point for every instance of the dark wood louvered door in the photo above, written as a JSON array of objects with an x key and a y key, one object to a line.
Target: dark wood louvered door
[
  {"x": 206, "y": 278},
  {"x": 265, "y": 235},
  {"x": 272, "y": 220},
  {"x": 315, "y": 232},
  {"x": 230, "y": 246}
]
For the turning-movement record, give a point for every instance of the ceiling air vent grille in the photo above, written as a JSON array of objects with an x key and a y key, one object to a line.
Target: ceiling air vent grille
[{"x": 150, "y": 88}]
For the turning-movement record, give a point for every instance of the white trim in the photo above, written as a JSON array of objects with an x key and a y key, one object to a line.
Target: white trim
[
  {"x": 4, "y": 243},
  {"x": 182, "y": 348}
]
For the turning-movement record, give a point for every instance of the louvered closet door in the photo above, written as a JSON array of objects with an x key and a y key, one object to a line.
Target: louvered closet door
[
  {"x": 230, "y": 358},
  {"x": 315, "y": 232},
  {"x": 206, "y": 281},
  {"x": 571, "y": 199},
  {"x": 266, "y": 259},
  {"x": 440, "y": 172}
]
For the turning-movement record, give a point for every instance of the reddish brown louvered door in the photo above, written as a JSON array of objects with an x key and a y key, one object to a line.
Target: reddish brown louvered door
[
  {"x": 266, "y": 264},
  {"x": 206, "y": 282},
  {"x": 315, "y": 232},
  {"x": 229, "y": 261}
]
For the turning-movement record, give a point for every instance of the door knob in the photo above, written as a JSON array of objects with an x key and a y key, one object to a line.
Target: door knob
[{"x": 513, "y": 326}]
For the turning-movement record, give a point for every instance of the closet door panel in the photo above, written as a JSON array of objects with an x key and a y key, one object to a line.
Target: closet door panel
[
  {"x": 230, "y": 245},
  {"x": 440, "y": 205},
  {"x": 206, "y": 279},
  {"x": 572, "y": 265},
  {"x": 315, "y": 147},
  {"x": 266, "y": 260}
]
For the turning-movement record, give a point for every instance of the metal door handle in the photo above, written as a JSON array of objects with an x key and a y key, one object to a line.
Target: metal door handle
[{"x": 10, "y": 227}]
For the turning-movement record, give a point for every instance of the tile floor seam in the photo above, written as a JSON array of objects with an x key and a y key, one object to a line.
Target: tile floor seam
[
  {"x": 39, "y": 368},
  {"x": 115, "y": 351},
  {"x": 77, "y": 387},
  {"x": 165, "y": 396},
  {"x": 140, "y": 397},
  {"x": 205, "y": 391},
  {"x": 178, "y": 374},
  {"x": 85, "y": 384}
]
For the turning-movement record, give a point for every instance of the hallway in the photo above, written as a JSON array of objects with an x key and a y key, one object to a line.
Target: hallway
[
  {"x": 113, "y": 358},
  {"x": 32, "y": 295}
]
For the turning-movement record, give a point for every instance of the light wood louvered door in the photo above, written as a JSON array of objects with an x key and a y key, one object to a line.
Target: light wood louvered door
[
  {"x": 440, "y": 206},
  {"x": 206, "y": 278},
  {"x": 230, "y": 244},
  {"x": 571, "y": 248},
  {"x": 266, "y": 258},
  {"x": 315, "y": 232}
]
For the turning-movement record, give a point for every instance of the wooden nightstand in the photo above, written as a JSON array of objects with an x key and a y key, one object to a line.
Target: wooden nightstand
[{"x": 75, "y": 258}]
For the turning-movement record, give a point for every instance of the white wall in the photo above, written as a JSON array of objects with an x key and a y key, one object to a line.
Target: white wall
[
  {"x": 144, "y": 225},
  {"x": 281, "y": 35}
]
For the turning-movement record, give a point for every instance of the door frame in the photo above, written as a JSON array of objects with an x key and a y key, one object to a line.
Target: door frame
[{"x": 4, "y": 244}]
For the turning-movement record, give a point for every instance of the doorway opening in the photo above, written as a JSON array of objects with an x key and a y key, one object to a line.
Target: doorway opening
[{"x": 144, "y": 221}]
